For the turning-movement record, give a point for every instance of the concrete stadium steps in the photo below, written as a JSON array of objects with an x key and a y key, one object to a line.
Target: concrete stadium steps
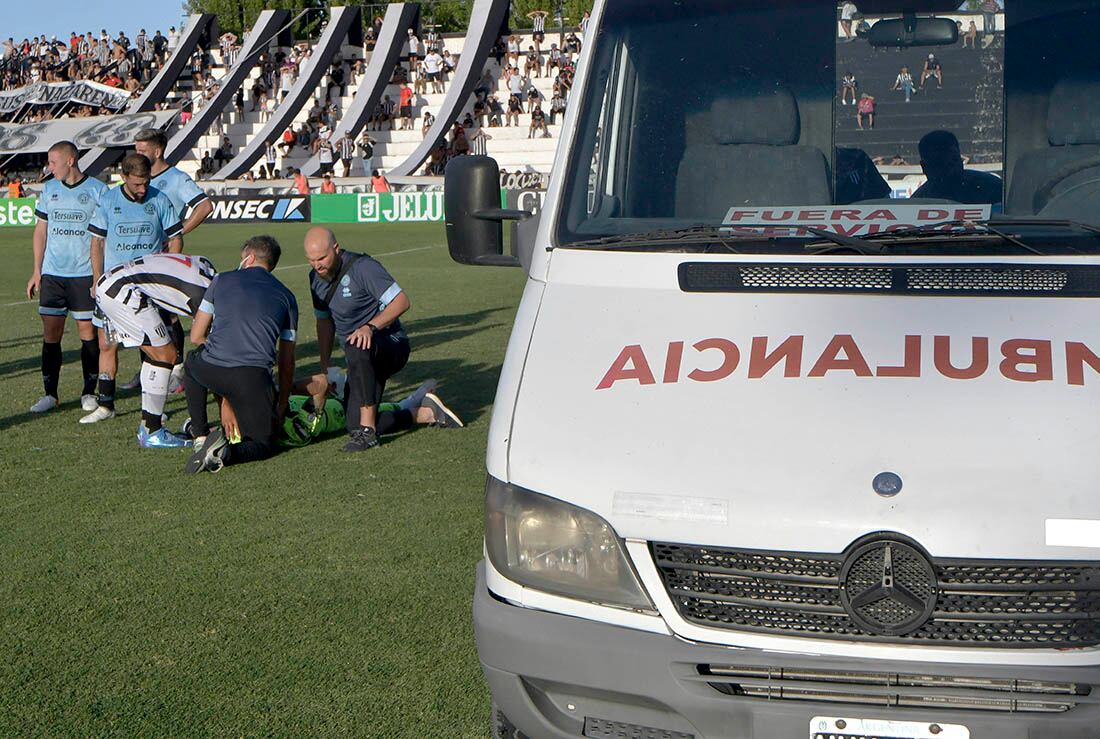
[
  {"x": 969, "y": 104},
  {"x": 510, "y": 146}
]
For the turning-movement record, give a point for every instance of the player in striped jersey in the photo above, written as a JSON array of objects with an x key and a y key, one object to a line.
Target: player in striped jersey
[
  {"x": 131, "y": 220},
  {"x": 131, "y": 297},
  {"x": 62, "y": 274},
  {"x": 191, "y": 203}
]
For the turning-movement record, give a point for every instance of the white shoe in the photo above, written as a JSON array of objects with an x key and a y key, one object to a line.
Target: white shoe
[
  {"x": 99, "y": 414},
  {"x": 133, "y": 384},
  {"x": 88, "y": 403},
  {"x": 45, "y": 403}
]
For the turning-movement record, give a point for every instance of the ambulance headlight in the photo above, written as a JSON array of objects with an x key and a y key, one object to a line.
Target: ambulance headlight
[{"x": 549, "y": 545}]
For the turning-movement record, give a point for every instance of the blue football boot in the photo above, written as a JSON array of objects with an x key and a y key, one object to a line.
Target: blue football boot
[{"x": 162, "y": 438}]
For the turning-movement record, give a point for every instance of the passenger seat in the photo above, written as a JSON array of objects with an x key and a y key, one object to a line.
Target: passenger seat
[{"x": 744, "y": 151}]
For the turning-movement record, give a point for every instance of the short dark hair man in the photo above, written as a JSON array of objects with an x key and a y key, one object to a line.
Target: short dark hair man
[
  {"x": 942, "y": 163},
  {"x": 357, "y": 300},
  {"x": 247, "y": 322},
  {"x": 62, "y": 274}
]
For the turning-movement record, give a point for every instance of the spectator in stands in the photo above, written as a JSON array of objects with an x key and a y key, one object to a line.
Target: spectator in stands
[
  {"x": 405, "y": 95},
  {"x": 496, "y": 111},
  {"x": 499, "y": 50},
  {"x": 325, "y": 155},
  {"x": 534, "y": 62},
  {"x": 478, "y": 141},
  {"x": 271, "y": 155},
  {"x": 557, "y": 107},
  {"x": 534, "y": 97},
  {"x": 414, "y": 51},
  {"x": 554, "y": 59},
  {"x": 932, "y": 68},
  {"x": 865, "y": 107},
  {"x": 433, "y": 69},
  {"x": 436, "y": 160},
  {"x": 847, "y": 13},
  {"x": 389, "y": 111},
  {"x": 515, "y": 107},
  {"x": 265, "y": 108},
  {"x": 206, "y": 165},
  {"x": 572, "y": 43},
  {"x": 942, "y": 163},
  {"x": 848, "y": 85},
  {"x": 378, "y": 182},
  {"x": 513, "y": 51},
  {"x": 970, "y": 38},
  {"x": 514, "y": 82},
  {"x": 481, "y": 111},
  {"x": 468, "y": 121},
  {"x": 337, "y": 80},
  {"x": 238, "y": 103},
  {"x": 428, "y": 122},
  {"x": 289, "y": 139},
  {"x": 538, "y": 123},
  {"x": 448, "y": 65},
  {"x": 328, "y": 187},
  {"x": 301, "y": 182},
  {"x": 346, "y": 148},
  {"x": 460, "y": 145},
  {"x": 538, "y": 27},
  {"x": 366, "y": 150},
  {"x": 420, "y": 85},
  {"x": 990, "y": 8},
  {"x": 224, "y": 152},
  {"x": 904, "y": 82}
]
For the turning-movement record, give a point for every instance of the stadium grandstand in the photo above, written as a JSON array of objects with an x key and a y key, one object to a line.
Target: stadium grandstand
[{"x": 369, "y": 89}]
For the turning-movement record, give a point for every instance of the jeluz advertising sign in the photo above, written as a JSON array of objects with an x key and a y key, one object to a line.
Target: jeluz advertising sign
[{"x": 17, "y": 211}]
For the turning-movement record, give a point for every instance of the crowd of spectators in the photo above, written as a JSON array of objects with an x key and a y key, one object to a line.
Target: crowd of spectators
[{"x": 115, "y": 61}]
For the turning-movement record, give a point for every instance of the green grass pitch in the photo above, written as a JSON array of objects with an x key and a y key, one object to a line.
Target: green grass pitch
[{"x": 315, "y": 594}]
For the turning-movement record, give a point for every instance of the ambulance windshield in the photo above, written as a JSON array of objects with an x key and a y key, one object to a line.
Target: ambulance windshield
[{"x": 779, "y": 118}]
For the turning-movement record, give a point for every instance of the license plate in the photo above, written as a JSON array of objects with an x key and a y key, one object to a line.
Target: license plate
[{"x": 842, "y": 727}]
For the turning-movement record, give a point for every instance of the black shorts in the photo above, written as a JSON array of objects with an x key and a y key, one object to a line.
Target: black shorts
[
  {"x": 432, "y": 76},
  {"x": 406, "y": 111},
  {"x": 540, "y": 37},
  {"x": 60, "y": 296}
]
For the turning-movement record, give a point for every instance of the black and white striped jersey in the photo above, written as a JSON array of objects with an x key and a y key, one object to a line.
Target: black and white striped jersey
[{"x": 174, "y": 282}]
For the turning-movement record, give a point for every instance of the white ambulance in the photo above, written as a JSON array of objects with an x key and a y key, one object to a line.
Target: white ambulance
[{"x": 782, "y": 448}]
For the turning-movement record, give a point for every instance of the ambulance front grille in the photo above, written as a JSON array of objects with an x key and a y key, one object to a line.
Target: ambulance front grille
[{"x": 979, "y": 603}]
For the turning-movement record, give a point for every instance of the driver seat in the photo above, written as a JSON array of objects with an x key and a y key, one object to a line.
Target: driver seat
[{"x": 1073, "y": 130}]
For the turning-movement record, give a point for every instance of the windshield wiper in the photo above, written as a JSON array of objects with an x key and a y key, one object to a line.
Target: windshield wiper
[
  {"x": 720, "y": 235},
  {"x": 688, "y": 235},
  {"x": 937, "y": 231}
]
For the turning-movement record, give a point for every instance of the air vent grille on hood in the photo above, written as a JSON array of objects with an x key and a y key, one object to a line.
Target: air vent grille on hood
[{"x": 1056, "y": 280}]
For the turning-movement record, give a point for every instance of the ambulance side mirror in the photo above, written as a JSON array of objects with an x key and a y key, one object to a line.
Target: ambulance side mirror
[{"x": 474, "y": 213}]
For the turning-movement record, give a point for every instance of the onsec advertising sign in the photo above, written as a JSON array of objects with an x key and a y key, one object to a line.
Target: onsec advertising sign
[{"x": 259, "y": 208}]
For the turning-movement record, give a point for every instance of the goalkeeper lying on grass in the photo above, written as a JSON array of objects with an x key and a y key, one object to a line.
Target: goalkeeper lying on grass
[{"x": 316, "y": 409}]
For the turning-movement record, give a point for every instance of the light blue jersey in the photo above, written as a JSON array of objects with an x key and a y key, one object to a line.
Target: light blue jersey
[
  {"x": 180, "y": 189},
  {"x": 132, "y": 229},
  {"x": 66, "y": 209}
]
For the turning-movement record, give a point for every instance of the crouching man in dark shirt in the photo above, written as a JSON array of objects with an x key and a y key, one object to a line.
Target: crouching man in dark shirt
[
  {"x": 356, "y": 299},
  {"x": 252, "y": 320}
]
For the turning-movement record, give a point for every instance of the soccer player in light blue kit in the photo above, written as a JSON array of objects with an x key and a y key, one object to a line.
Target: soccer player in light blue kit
[
  {"x": 191, "y": 203},
  {"x": 130, "y": 221},
  {"x": 62, "y": 274}
]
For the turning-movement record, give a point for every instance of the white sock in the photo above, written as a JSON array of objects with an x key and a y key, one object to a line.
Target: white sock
[{"x": 154, "y": 388}]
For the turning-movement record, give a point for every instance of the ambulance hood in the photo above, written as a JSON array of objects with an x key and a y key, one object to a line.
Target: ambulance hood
[{"x": 758, "y": 420}]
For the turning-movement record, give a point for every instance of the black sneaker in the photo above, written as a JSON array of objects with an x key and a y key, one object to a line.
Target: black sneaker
[
  {"x": 445, "y": 418},
  {"x": 362, "y": 440},
  {"x": 211, "y": 457}
]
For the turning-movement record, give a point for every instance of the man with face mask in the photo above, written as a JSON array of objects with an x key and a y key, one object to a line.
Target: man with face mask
[
  {"x": 247, "y": 322},
  {"x": 942, "y": 163}
]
